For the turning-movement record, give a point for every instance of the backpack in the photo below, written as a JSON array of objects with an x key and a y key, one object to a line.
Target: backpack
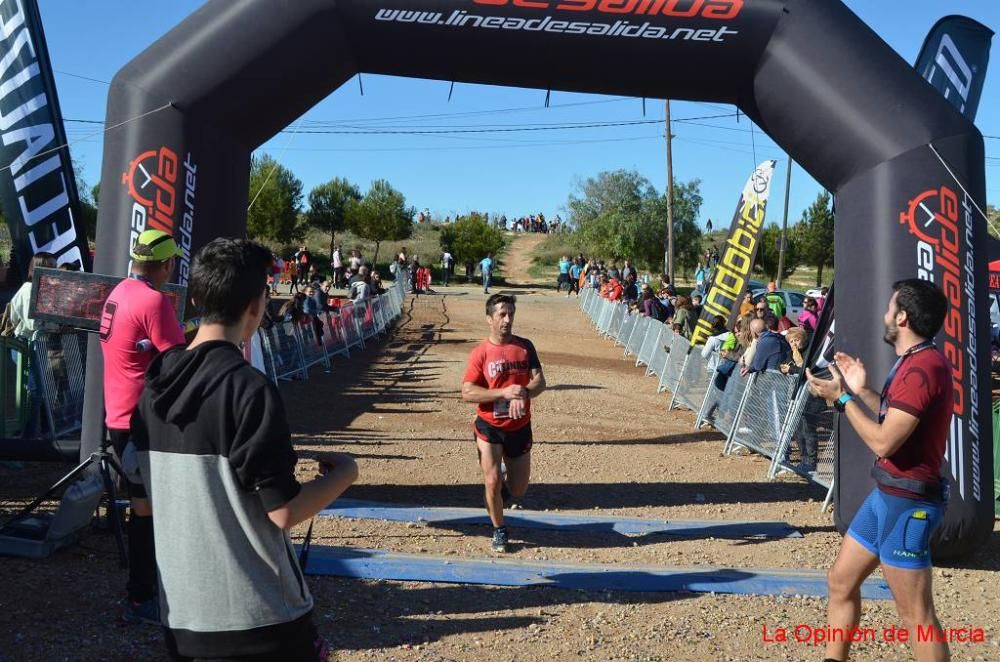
[{"x": 658, "y": 311}]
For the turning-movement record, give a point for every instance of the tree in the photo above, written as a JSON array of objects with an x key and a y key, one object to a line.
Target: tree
[
  {"x": 382, "y": 215},
  {"x": 767, "y": 253},
  {"x": 620, "y": 215},
  {"x": 993, "y": 224},
  {"x": 329, "y": 205},
  {"x": 275, "y": 200},
  {"x": 687, "y": 235},
  {"x": 88, "y": 202},
  {"x": 471, "y": 238},
  {"x": 815, "y": 235}
]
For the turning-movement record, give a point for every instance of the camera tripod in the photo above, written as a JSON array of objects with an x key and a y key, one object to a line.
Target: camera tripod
[{"x": 106, "y": 463}]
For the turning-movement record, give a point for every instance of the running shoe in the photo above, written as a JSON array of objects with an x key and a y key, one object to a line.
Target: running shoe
[
  {"x": 142, "y": 613},
  {"x": 499, "y": 543}
]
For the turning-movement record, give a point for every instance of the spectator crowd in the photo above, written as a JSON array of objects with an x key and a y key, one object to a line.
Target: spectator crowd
[{"x": 761, "y": 338}]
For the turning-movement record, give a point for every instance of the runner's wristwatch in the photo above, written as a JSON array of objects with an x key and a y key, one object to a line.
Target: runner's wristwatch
[{"x": 842, "y": 401}]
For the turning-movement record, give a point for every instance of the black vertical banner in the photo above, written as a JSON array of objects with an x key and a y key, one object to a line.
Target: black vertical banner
[
  {"x": 954, "y": 58},
  {"x": 38, "y": 192}
]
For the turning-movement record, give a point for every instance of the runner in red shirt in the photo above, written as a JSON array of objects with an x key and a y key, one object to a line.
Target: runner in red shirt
[
  {"x": 893, "y": 527},
  {"x": 138, "y": 321},
  {"x": 503, "y": 376}
]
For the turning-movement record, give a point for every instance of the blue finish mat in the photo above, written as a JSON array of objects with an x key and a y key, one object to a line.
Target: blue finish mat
[
  {"x": 376, "y": 564},
  {"x": 529, "y": 519}
]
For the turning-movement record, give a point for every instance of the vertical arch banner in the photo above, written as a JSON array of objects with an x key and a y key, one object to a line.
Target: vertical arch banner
[
  {"x": 37, "y": 183},
  {"x": 906, "y": 166}
]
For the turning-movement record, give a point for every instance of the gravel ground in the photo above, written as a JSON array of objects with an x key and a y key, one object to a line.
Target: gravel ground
[{"x": 604, "y": 443}]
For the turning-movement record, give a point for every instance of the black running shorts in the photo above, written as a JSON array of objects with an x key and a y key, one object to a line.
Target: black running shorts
[{"x": 515, "y": 444}]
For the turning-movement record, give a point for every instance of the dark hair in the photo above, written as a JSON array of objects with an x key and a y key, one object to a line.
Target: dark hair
[
  {"x": 718, "y": 324},
  {"x": 924, "y": 303},
  {"x": 499, "y": 299},
  {"x": 226, "y": 277},
  {"x": 42, "y": 261}
]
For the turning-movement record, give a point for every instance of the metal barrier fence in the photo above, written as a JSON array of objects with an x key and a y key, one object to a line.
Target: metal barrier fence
[
  {"x": 721, "y": 405},
  {"x": 618, "y": 314},
  {"x": 313, "y": 350},
  {"x": 60, "y": 366},
  {"x": 14, "y": 381},
  {"x": 762, "y": 412},
  {"x": 671, "y": 374},
  {"x": 283, "y": 357},
  {"x": 654, "y": 350},
  {"x": 640, "y": 329},
  {"x": 352, "y": 331},
  {"x": 334, "y": 339},
  {"x": 694, "y": 382},
  {"x": 607, "y": 309},
  {"x": 365, "y": 315},
  {"x": 810, "y": 424},
  {"x": 760, "y": 420},
  {"x": 626, "y": 329},
  {"x": 49, "y": 374}
]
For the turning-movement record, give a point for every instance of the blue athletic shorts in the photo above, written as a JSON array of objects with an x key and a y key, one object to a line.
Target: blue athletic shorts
[{"x": 897, "y": 530}]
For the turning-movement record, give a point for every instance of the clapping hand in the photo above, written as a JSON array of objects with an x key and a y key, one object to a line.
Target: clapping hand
[
  {"x": 851, "y": 371},
  {"x": 827, "y": 389}
]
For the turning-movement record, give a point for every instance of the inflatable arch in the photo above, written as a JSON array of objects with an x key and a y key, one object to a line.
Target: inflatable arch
[{"x": 185, "y": 115}]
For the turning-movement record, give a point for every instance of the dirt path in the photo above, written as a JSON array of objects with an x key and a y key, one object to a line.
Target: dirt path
[
  {"x": 604, "y": 443},
  {"x": 519, "y": 258}
]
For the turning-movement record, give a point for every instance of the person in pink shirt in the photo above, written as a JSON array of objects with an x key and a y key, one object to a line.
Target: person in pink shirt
[
  {"x": 138, "y": 321},
  {"x": 809, "y": 317}
]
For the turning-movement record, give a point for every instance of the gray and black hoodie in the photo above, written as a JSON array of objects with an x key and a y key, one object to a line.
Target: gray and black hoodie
[{"x": 216, "y": 455}]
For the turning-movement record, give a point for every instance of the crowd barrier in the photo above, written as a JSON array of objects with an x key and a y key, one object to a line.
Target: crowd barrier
[
  {"x": 14, "y": 384},
  {"x": 768, "y": 413},
  {"x": 289, "y": 350}
]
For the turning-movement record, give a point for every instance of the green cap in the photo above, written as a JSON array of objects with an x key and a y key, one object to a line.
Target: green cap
[{"x": 155, "y": 246}]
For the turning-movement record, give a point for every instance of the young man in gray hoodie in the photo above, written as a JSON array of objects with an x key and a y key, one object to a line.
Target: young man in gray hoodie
[{"x": 216, "y": 458}]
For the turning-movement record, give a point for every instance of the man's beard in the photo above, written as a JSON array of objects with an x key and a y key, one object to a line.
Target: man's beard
[{"x": 891, "y": 334}]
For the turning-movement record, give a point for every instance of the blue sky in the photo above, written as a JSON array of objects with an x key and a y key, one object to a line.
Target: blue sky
[{"x": 511, "y": 173}]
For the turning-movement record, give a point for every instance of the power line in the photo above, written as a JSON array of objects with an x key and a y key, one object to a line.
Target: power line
[
  {"x": 96, "y": 133},
  {"x": 72, "y": 75},
  {"x": 459, "y": 148}
]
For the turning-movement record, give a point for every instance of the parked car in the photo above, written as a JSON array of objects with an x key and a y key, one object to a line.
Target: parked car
[
  {"x": 815, "y": 292},
  {"x": 793, "y": 301}
]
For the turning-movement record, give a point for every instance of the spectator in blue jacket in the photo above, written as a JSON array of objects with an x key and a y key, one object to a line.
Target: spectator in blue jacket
[{"x": 770, "y": 352}]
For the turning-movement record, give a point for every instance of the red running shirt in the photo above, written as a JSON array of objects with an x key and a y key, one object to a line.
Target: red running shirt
[
  {"x": 499, "y": 366},
  {"x": 922, "y": 388},
  {"x": 134, "y": 311}
]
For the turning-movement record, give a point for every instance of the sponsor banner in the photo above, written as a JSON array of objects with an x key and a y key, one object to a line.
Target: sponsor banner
[
  {"x": 690, "y": 20},
  {"x": 737, "y": 258},
  {"x": 162, "y": 191},
  {"x": 941, "y": 221},
  {"x": 722, "y": 10},
  {"x": 37, "y": 183},
  {"x": 936, "y": 235},
  {"x": 954, "y": 58}
]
